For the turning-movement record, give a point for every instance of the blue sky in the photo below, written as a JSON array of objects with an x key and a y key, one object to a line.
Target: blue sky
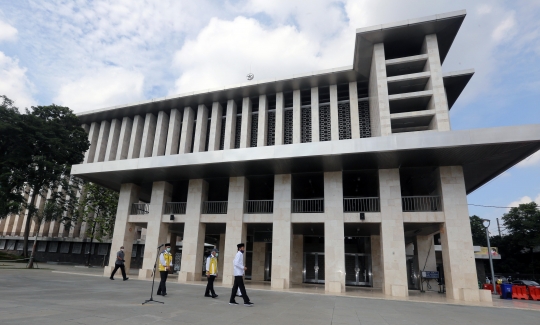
[{"x": 95, "y": 54}]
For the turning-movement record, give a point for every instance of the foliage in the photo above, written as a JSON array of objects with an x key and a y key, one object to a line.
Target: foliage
[
  {"x": 523, "y": 224},
  {"x": 478, "y": 231},
  {"x": 99, "y": 211}
]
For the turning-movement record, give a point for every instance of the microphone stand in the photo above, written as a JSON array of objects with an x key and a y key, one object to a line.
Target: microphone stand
[{"x": 153, "y": 280}]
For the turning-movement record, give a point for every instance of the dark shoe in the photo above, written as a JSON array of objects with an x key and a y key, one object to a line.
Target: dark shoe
[
  {"x": 111, "y": 278},
  {"x": 164, "y": 294},
  {"x": 234, "y": 303},
  {"x": 207, "y": 295},
  {"x": 126, "y": 279},
  {"x": 214, "y": 296},
  {"x": 248, "y": 304}
]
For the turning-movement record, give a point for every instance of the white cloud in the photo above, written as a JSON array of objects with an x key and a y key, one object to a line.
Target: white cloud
[
  {"x": 532, "y": 160},
  {"x": 523, "y": 200},
  {"x": 7, "y": 32},
  {"x": 14, "y": 82},
  {"x": 102, "y": 88},
  {"x": 504, "y": 29},
  {"x": 484, "y": 9}
]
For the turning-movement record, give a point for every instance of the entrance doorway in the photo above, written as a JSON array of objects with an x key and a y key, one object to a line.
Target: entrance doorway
[
  {"x": 314, "y": 267},
  {"x": 358, "y": 269}
]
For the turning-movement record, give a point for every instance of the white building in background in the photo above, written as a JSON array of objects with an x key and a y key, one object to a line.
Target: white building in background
[{"x": 341, "y": 176}]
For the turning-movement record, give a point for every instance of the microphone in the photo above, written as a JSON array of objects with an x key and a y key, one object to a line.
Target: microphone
[{"x": 161, "y": 246}]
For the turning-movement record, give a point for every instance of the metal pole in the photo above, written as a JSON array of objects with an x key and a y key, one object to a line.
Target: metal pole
[
  {"x": 491, "y": 263},
  {"x": 498, "y": 227}
]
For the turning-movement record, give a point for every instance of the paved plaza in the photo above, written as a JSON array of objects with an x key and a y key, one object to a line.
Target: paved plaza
[{"x": 69, "y": 295}]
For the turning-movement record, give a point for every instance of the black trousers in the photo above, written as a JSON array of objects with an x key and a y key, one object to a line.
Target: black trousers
[
  {"x": 239, "y": 283},
  {"x": 162, "y": 289},
  {"x": 210, "y": 286},
  {"x": 122, "y": 268}
]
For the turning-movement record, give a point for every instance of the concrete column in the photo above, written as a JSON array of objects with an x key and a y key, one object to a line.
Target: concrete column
[
  {"x": 353, "y": 104},
  {"x": 235, "y": 227},
  {"x": 334, "y": 116},
  {"x": 136, "y": 137},
  {"x": 3, "y": 224},
  {"x": 12, "y": 221},
  {"x": 280, "y": 119},
  {"x": 282, "y": 232},
  {"x": 103, "y": 138},
  {"x": 230, "y": 125},
  {"x": 393, "y": 259},
  {"x": 379, "y": 106},
  {"x": 456, "y": 240},
  {"x": 245, "y": 130},
  {"x": 149, "y": 133},
  {"x": 124, "y": 232},
  {"x": 124, "y": 140},
  {"x": 334, "y": 233},
  {"x": 156, "y": 231},
  {"x": 160, "y": 140},
  {"x": 221, "y": 257},
  {"x": 315, "y": 114},
  {"x": 200, "y": 129},
  {"x": 173, "y": 134},
  {"x": 187, "y": 131},
  {"x": 257, "y": 261},
  {"x": 438, "y": 102},
  {"x": 93, "y": 138},
  {"x": 262, "y": 131},
  {"x": 376, "y": 268},
  {"x": 215, "y": 127},
  {"x": 114, "y": 137},
  {"x": 426, "y": 253},
  {"x": 194, "y": 231},
  {"x": 43, "y": 230},
  {"x": 297, "y": 116},
  {"x": 297, "y": 259},
  {"x": 40, "y": 204}
]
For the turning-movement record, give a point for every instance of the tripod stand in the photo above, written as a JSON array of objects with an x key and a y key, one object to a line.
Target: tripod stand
[{"x": 153, "y": 280}]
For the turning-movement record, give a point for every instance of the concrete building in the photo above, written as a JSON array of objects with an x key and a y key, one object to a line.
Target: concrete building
[{"x": 341, "y": 177}]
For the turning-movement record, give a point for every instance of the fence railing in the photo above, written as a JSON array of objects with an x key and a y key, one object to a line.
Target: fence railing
[
  {"x": 175, "y": 208},
  {"x": 259, "y": 206},
  {"x": 214, "y": 207},
  {"x": 361, "y": 204},
  {"x": 307, "y": 205},
  {"x": 421, "y": 203},
  {"x": 140, "y": 208}
]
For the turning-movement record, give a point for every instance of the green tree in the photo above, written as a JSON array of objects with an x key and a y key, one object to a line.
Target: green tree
[
  {"x": 523, "y": 225},
  {"x": 99, "y": 212},
  {"x": 478, "y": 231}
]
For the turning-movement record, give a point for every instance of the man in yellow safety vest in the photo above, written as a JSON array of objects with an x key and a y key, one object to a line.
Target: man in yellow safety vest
[
  {"x": 164, "y": 266},
  {"x": 211, "y": 273}
]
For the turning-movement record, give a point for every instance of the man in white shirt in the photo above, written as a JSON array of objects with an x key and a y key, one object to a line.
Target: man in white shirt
[
  {"x": 239, "y": 268},
  {"x": 164, "y": 266}
]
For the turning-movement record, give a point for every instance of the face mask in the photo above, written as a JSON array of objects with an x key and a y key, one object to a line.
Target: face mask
[
  {"x": 168, "y": 249},
  {"x": 241, "y": 251},
  {"x": 122, "y": 249},
  {"x": 217, "y": 254}
]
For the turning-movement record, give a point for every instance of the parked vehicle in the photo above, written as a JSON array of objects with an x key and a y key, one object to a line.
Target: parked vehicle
[{"x": 527, "y": 283}]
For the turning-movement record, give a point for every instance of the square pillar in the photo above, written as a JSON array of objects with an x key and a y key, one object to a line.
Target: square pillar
[
  {"x": 334, "y": 233},
  {"x": 215, "y": 127},
  {"x": 245, "y": 129},
  {"x": 315, "y": 136},
  {"x": 230, "y": 126},
  {"x": 297, "y": 259},
  {"x": 376, "y": 269},
  {"x": 221, "y": 248},
  {"x": 93, "y": 135},
  {"x": 379, "y": 106},
  {"x": 156, "y": 231},
  {"x": 136, "y": 137},
  {"x": 235, "y": 227},
  {"x": 149, "y": 133},
  {"x": 124, "y": 232},
  {"x": 280, "y": 119},
  {"x": 173, "y": 133},
  {"x": 282, "y": 232},
  {"x": 425, "y": 248},
  {"x": 297, "y": 116},
  {"x": 200, "y": 129},
  {"x": 187, "y": 131},
  {"x": 262, "y": 130},
  {"x": 257, "y": 261},
  {"x": 160, "y": 140},
  {"x": 353, "y": 104},
  {"x": 103, "y": 138},
  {"x": 194, "y": 232},
  {"x": 114, "y": 137},
  {"x": 393, "y": 257},
  {"x": 456, "y": 240},
  {"x": 125, "y": 137},
  {"x": 334, "y": 116}
]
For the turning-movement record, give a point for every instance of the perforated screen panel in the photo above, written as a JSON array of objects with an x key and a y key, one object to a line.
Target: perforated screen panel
[
  {"x": 254, "y": 128},
  {"x": 222, "y": 136},
  {"x": 325, "y": 131},
  {"x": 344, "y": 120},
  {"x": 306, "y": 125},
  {"x": 271, "y": 139},
  {"x": 207, "y": 134},
  {"x": 238, "y": 131},
  {"x": 364, "y": 119},
  {"x": 288, "y": 126}
]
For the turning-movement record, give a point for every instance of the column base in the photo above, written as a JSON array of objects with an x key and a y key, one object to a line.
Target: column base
[
  {"x": 228, "y": 280},
  {"x": 184, "y": 277},
  {"x": 485, "y": 295},
  {"x": 466, "y": 294},
  {"x": 335, "y": 287},
  {"x": 145, "y": 274},
  {"x": 399, "y": 291},
  {"x": 278, "y": 283},
  {"x": 107, "y": 270}
]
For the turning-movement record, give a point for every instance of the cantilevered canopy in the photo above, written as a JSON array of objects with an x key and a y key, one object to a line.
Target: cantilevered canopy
[{"x": 483, "y": 153}]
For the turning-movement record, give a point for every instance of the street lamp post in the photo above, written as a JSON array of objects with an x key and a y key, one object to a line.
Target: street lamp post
[{"x": 485, "y": 223}]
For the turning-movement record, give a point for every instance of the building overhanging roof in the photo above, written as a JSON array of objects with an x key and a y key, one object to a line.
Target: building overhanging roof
[
  {"x": 410, "y": 33},
  {"x": 454, "y": 83},
  {"x": 483, "y": 153}
]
